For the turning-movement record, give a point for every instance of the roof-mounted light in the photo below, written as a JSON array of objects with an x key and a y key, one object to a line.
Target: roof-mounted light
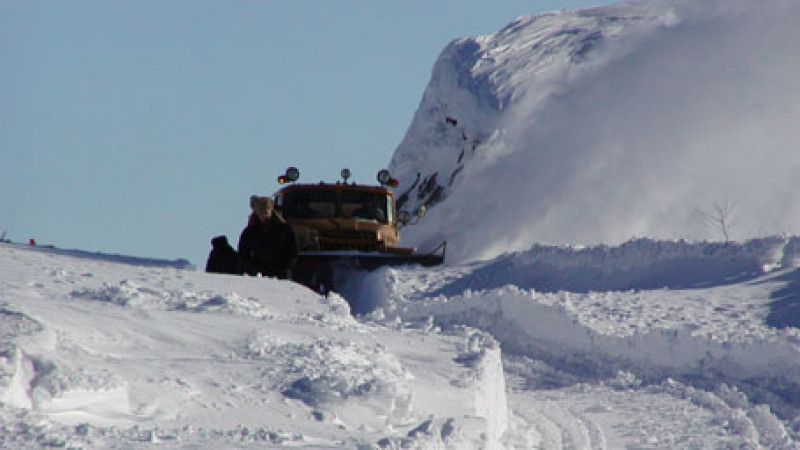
[
  {"x": 292, "y": 174},
  {"x": 345, "y": 175},
  {"x": 385, "y": 179}
]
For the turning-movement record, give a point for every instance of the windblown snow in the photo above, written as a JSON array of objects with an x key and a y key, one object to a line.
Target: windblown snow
[
  {"x": 633, "y": 133},
  {"x": 600, "y": 125}
]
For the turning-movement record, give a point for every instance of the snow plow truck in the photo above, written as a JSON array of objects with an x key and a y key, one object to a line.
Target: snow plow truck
[{"x": 344, "y": 227}]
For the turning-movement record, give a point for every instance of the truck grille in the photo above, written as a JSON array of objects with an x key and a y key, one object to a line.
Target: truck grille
[{"x": 365, "y": 241}]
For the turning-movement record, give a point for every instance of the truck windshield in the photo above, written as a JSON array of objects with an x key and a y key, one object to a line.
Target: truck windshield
[
  {"x": 326, "y": 203},
  {"x": 365, "y": 205},
  {"x": 308, "y": 204}
]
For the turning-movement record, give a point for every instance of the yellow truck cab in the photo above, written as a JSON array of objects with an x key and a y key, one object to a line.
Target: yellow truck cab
[
  {"x": 340, "y": 216},
  {"x": 344, "y": 225}
]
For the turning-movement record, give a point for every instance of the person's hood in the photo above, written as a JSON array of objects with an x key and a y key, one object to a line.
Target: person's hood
[{"x": 220, "y": 242}]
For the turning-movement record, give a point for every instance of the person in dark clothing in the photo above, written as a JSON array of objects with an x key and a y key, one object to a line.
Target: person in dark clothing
[
  {"x": 267, "y": 245},
  {"x": 223, "y": 258}
]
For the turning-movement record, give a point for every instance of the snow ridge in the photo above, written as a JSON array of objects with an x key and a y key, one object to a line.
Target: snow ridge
[{"x": 635, "y": 264}]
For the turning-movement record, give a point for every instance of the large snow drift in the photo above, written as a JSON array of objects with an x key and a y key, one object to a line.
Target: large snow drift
[{"x": 601, "y": 125}]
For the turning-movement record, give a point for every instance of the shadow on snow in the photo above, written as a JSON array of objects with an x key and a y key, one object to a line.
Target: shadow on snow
[
  {"x": 635, "y": 265},
  {"x": 784, "y": 310}
]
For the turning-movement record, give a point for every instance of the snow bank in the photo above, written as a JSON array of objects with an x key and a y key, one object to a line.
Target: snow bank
[
  {"x": 580, "y": 329},
  {"x": 696, "y": 312},
  {"x": 635, "y": 264},
  {"x": 101, "y": 353},
  {"x": 659, "y": 338},
  {"x": 600, "y": 125}
]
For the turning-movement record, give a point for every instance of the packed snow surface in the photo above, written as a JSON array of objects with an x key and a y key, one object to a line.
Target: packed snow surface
[{"x": 515, "y": 352}]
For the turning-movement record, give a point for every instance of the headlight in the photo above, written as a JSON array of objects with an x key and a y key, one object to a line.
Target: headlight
[{"x": 384, "y": 176}]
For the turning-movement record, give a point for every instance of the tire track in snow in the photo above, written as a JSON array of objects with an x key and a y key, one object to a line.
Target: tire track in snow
[{"x": 559, "y": 426}]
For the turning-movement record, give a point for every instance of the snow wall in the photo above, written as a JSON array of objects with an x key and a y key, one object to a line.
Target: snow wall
[{"x": 596, "y": 126}]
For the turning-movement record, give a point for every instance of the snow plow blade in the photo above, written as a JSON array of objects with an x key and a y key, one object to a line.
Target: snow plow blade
[{"x": 318, "y": 270}]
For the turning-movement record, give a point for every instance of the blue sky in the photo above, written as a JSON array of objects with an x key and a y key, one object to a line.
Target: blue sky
[{"x": 142, "y": 127}]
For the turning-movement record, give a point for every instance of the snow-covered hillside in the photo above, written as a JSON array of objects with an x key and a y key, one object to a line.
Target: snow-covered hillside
[{"x": 601, "y": 125}]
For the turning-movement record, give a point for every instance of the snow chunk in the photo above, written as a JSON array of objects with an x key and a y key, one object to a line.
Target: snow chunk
[{"x": 129, "y": 294}]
